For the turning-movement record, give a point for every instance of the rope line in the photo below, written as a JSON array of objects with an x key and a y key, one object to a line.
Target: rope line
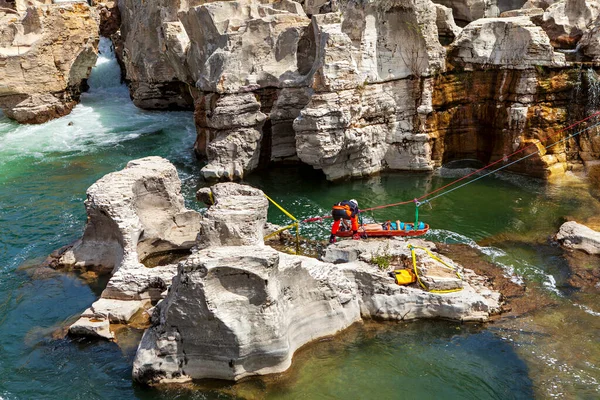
[
  {"x": 419, "y": 200},
  {"x": 514, "y": 162}
]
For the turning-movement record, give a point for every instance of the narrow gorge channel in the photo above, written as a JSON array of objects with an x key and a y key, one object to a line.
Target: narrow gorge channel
[{"x": 550, "y": 351}]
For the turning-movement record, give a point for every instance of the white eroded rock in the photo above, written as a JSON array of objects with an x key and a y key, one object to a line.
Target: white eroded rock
[
  {"x": 242, "y": 45},
  {"x": 577, "y": 236},
  {"x": 239, "y": 311},
  {"x": 445, "y": 22},
  {"x": 567, "y": 20},
  {"x": 362, "y": 131},
  {"x": 234, "y": 312},
  {"x": 236, "y": 216},
  {"x": 466, "y": 11},
  {"x": 132, "y": 214},
  {"x": 513, "y": 42},
  {"x": 92, "y": 327},
  {"x": 229, "y": 134}
]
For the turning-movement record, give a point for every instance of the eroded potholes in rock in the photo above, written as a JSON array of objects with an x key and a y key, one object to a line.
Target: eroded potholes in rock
[{"x": 163, "y": 258}]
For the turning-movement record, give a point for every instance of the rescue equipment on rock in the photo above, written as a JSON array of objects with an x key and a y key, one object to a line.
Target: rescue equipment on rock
[
  {"x": 403, "y": 276},
  {"x": 418, "y": 227}
]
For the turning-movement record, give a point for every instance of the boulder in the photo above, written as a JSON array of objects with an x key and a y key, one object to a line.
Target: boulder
[
  {"x": 234, "y": 312},
  {"x": 47, "y": 52},
  {"x": 236, "y": 216},
  {"x": 514, "y": 43},
  {"x": 566, "y": 21},
  {"x": 466, "y": 11},
  {"x": 572, "y": 235},
  {"x": 92, "y": 327},
  {"x": 445, "y": 22},
  {"x": 133, "y": 214}
]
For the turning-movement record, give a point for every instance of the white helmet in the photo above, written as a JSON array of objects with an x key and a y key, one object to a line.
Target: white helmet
[{"x": 353, "y": 202}]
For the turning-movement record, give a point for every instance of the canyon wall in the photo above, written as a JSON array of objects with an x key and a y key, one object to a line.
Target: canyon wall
[
  {"x": 46, "y": 53},
  {"x": 349, "y": 87},
  {"x": 357, "y": 87}
]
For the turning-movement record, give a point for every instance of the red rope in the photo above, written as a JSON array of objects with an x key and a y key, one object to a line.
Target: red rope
[{"x": 464, "y": 177}]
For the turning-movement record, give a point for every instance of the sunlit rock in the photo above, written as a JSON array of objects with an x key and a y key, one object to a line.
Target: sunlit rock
[
  {"x": 566, "y": 21},
  {"x": 236, "y": 216},
  {"x": 579, "y": 237},
  {"x": 132, "y": 214},
  {"x": 46, "y": 53},
  {"x": 361, "y": 119},
  {"x": 234, "y": 312},
  {"x": 445, "y": 22},
  {"x": 513, "y": 42},
  {"x": 466, "y": 11}
]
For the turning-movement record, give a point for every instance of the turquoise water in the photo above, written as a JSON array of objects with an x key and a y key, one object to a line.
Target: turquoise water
[{"x": 45, "y": 170}]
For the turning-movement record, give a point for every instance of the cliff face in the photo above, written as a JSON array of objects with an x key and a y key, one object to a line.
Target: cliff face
[
  {"x": 351, "y": 88},
  {"x": 46, "y": 53}
]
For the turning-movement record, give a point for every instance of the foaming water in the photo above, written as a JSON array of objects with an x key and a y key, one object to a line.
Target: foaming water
[{"x": 106, "y": 118}]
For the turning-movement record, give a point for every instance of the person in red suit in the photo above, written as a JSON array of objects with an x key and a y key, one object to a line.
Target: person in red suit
[{"x": 347, "y": 210}]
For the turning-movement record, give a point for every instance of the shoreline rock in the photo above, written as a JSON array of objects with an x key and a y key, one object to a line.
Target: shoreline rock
[
  {"x": 234, "y": 312},
  {"x": 47, "y": 52},
  {"x": 575, "y": 236},
  {"x": 235, "y": 307},
  {"x": 132, "y": 214}
]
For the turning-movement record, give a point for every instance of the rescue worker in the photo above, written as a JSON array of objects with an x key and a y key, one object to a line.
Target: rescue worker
[{"x": 347, "y": 210}]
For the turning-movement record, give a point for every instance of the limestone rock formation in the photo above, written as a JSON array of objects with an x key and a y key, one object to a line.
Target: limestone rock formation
[
  {"x": 535, "y": 13},
  {"x": 466, "y": 11},
  {"x": 360, "y": 120},
  {"x": 234, "y": 312},
  {"x": 46, "y": 53},
  {"x": 242, "y": 45},
  {"x": 513, "y": 42},
  {"x": 445, "y": 22},
  {"x": 236, "y": 216},
  {"x": 360, "y": 87},
  {"x": 590, "y": 42},
  {"x": 576, "y": 236},
  {"x": 266, "y": 51},
  {"x": 132, "y": 214},
  {"x": 567, "y": 20},
  {"x": 153, "y": 53},
  {"x": 229, "y": 134}
]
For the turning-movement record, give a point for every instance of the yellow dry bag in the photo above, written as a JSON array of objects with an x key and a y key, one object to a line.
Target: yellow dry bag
[{"x": 404, "y": 276}]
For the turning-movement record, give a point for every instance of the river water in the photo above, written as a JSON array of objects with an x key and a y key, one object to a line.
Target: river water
[{"x": 45, "y": 170}]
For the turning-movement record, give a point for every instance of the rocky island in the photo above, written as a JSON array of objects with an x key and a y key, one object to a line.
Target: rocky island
[{"x": 235, "y": 307}]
